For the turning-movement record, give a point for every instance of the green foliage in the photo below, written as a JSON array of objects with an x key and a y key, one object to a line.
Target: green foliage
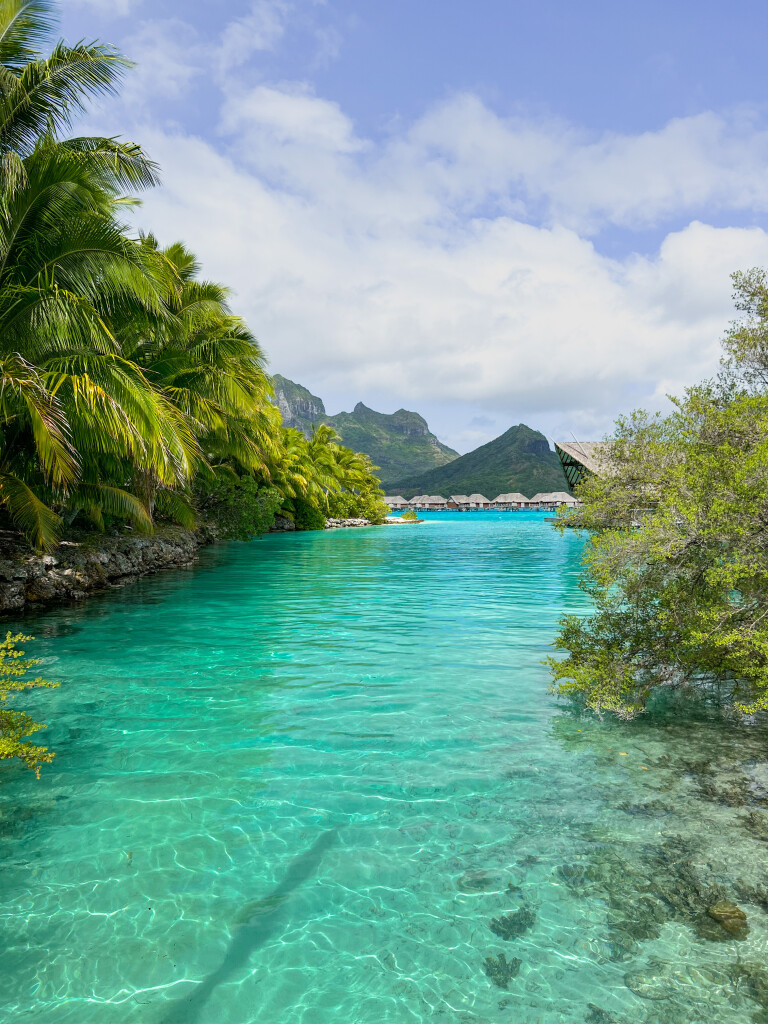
[
  {"x": 16, "y": 726},
  {"x": 410, "y": 514},
  {"x": 306, "y": 514},
  {"x": 366, "y": 504},
  {"x": 238, "y": 506},
  {"x": 677, "y": 561},
  {"x": 125, "y": 379}
]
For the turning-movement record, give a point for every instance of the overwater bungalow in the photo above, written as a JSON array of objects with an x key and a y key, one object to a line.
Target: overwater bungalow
[
  {"x": 436, "y": 501},
  {"x": 460, "y": 501},
  {"x": 479, "y": 501},
  {"x": 553, "y": 499},
  {"x": 398, "y": 502},
  {"x": 506, "y": 501}
]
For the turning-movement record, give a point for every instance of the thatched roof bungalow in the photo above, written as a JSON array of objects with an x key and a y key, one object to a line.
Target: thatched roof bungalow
[
  {"x": 479, "y": 501},
  {"x": 436, "y": 501},
  {"x": 458, "y": 501},
  {"x": 515, "y": 500},
  {"x": 396, "y": 502},
  {"x": 553, "y": 499}
]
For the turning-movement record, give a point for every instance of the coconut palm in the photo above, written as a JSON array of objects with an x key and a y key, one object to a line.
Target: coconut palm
[
  {"x": 68, "y": 273},
  {"x": 209, "y": 368}
]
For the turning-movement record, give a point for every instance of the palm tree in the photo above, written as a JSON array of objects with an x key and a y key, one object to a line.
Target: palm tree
[
  {"x": 67, "y": 274},
  {"x": 210, "y": 369}
]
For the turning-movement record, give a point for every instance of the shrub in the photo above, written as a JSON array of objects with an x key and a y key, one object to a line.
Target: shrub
[
  {"x": 365, "y": 505},
  {"x": 16, "y": 726},
  {"x": 306, "y": 514},
  {"x": 238, "y": 507}
]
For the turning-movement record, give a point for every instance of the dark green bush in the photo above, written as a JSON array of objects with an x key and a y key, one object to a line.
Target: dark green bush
[
  {"x": 306, "y": 514},
  {"x": 366, "y": 505},
  {"x": 238, "y": 507}
]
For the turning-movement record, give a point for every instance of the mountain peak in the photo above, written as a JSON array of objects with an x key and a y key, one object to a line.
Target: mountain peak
[
  {"x": 398, "y": 443},
  {"x": 520, "y": 459}
]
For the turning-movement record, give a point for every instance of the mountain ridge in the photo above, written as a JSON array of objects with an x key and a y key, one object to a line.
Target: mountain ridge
[
  {"x": 520, "y": 459},
  {"x": 412, "y": 460},
  {"x": 399, "y": 443}
]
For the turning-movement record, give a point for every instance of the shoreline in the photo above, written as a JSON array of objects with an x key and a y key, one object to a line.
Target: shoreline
[{"x": 79, "y": 569}]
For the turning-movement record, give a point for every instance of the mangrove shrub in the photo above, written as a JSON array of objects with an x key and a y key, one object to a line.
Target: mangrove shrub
[{"x": 676, "y": 563}]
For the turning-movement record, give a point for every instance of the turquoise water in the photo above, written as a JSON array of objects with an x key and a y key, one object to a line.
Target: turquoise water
[{"x": 298, "y": 783}]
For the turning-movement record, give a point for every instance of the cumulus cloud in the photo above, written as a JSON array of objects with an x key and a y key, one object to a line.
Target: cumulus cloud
[{"x": 455, "y": 266}]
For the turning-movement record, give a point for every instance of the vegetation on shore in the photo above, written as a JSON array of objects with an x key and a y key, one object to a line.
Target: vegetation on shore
[
  {"x": 130, "y": 393},
  {"x": 130, "y": 390},
  {"x": 677, "y": 559}
]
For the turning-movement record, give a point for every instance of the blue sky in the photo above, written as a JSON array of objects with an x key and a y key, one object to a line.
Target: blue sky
[{"x": 491, "y": 212}]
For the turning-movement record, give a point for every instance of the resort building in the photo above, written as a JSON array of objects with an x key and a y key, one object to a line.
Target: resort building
[
  {"x": 460, "y": 501},
  {"x": 515, "y": 500},
  {"x": 397, "y": 502},
  {"x": 579, "y": 459},
  {"x": 553, "y": 499},
  {"x": 478, "y": 501},
  {"x": 433, "y": 501}
]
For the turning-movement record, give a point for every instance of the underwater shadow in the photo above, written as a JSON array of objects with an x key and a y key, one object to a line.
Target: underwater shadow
[{"x": 261, "y": 919}]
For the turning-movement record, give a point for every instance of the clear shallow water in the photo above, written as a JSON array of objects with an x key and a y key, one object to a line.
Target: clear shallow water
[{"x": 298, "y": 783}]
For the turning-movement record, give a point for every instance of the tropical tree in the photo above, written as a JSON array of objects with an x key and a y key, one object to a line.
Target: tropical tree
[
  {"x": 67, "y": 274},
  {"x": 677, "y": 563}
]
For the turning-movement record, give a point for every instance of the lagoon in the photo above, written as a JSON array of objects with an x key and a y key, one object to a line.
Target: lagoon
[{"x": 298, "y": 783}]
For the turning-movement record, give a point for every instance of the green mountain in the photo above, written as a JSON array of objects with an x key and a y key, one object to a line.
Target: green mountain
[
  {"x": 400, "y": 444},
  {"x": 519, "y": 460}
]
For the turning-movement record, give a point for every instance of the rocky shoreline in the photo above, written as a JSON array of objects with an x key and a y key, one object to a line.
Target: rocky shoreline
[{"x": 79, "y": 568}]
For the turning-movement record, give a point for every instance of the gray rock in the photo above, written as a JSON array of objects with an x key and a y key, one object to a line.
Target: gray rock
[{"x": 76, "y": 570}]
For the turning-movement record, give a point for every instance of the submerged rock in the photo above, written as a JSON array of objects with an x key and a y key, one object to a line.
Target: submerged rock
[
  {"x": 730, "y": 918},
  {"x": 753, "y": 979},
  {"x": 650, "y": 984},
  {"x": 757, "y": 825},
  {"x": 597, "y": 1015},
  {"x": 661, "y": 980},
  {"x": 501, "y": 971},
  {"x": 479, "y": 881},
  {"x": 512, "y": 926}
]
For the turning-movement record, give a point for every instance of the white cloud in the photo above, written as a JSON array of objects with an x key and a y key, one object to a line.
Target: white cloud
[
  {"x": 449, "y": 267},
  {"x": 261, "y": 29},
  {"x": 290, "y": 116},
  {"x": 168, "y": 58}
]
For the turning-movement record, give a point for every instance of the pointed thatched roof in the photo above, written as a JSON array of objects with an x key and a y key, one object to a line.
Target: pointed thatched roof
[
  {"x": 509, "y": 499},
  {"x": 479, "y": 498},
  {"x": 552, "y": 497}
]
